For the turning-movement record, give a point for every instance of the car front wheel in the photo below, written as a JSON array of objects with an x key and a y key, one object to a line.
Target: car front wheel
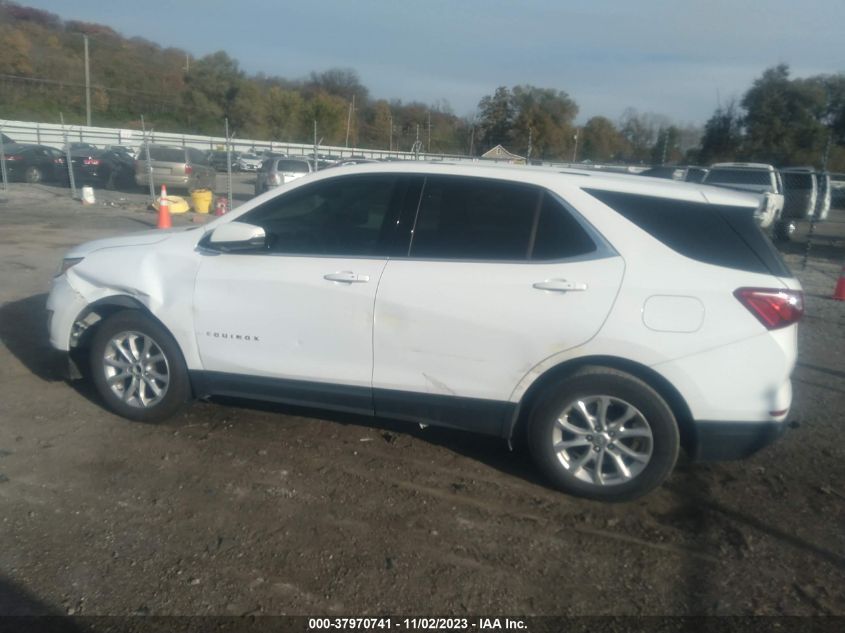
[
  {"x": 604, "y": 435},
  {"x": 138, "y": 368}
]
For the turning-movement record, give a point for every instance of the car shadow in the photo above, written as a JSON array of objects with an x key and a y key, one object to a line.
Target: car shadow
[
  {"x": 23, "y": 330},
  {"x": 490, "y": 450},
  {"x": 15, "y": 601}
]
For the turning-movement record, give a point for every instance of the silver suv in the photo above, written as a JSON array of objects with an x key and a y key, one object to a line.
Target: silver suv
[{"x": 275, "y": 172}]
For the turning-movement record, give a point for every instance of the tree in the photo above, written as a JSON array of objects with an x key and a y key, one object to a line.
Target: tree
[
  {"x": 640, "y": 130},
  {"x": 783, "y": 121},
  {"x": 666, "y": 148},
  {"x": 284, "y": 114},
  {"x": 546, "y": 115},
  {"x": 722, "y": 138},
  {"x": 601, "y": 141},
  {"x": 495, "y": 118}
]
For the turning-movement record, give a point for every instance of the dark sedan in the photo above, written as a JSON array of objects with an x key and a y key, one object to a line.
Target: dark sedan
[
  {"x": 103, "y": 168},
  {"x": 35, "y": 163}
]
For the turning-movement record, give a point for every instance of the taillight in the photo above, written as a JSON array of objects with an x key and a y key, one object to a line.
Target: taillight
[
  {"x": 59, "y": 161},
  {"x": 774, "y": 308},
  {"x": 188, "y": 170},
  {"x": 14, "y": 157},
  {"x": 91, "y": 161},
  {"x": 275, "y": 179}
]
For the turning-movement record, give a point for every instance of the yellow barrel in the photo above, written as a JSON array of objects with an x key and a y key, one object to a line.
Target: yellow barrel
[{"x": 201, "y": 199}]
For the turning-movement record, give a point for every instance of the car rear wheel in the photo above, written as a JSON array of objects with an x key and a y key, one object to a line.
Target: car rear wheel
[
  {"x": 33, "y": 175},
  {"x": 138, "y": 368},
  {"x": 605, "y": 435}
]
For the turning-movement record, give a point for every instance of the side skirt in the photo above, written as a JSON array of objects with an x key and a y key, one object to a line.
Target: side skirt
[{"x": 490, "y": 417}]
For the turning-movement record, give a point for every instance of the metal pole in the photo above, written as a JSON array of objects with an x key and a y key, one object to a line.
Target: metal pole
[
  {"x": 149, "y": 162},
  {"x": 575, "y": 149},
  {"x": 471, "y": 140},
  {"x": 349, "y": 120},
  {"x": 428, "y": 144},
  {"x": 87, "y": 85},
  {"x": 665, "y": 147},
  {"x": 3, "y": 163},
  {"x": 315, "y": 145},
  {"x": 67, "y": 158},
  {"x": 228, "y": 163},
  {"x": 390, "y": 117},
  {"x": 814, "y": 217}
]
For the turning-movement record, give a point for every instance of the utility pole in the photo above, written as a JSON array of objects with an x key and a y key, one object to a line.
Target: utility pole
[
  {"x": 315, "y": 145},
  {"x": 390, "y": 118},
  {"x": 575, "y": 149},
  {"x": 530, "y": 147},
  {"x": 665, "y": 146},
  {"x": 87, "y": 85},
  {"x": 428, "y": 145},
  {"x": 349, "y": 119},
  {"x": 472, "y": 140}
]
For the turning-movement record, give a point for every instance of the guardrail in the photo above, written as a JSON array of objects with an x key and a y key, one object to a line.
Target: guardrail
[{"x": 56, "y": 135}]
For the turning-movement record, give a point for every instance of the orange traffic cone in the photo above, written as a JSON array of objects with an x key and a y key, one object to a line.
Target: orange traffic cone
[
  {"x": 164, "y": 221},
  {"x": 839, "y": 291}
]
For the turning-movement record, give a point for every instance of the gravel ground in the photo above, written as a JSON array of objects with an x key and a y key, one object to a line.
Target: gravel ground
[{"x": 240, "y": 508}]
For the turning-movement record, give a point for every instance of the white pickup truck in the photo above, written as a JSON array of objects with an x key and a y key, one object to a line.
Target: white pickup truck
[{"x": 755, "y": 177}]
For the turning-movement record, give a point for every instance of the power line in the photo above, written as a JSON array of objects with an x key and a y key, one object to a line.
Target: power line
[{"x": 72, "y": 84}]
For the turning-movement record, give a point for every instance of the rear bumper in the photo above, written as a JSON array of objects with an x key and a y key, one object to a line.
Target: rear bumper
[{"x": 722, "y": 441}]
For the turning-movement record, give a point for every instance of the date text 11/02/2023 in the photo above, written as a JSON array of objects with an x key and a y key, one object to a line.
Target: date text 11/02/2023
[{"x": 417, "y": 624}]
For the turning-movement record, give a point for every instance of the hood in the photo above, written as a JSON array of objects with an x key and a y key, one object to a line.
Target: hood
[{"x": 141, "y": 238}]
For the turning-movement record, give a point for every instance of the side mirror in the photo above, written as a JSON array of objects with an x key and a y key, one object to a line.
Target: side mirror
[{"x": 237, "y": 236}]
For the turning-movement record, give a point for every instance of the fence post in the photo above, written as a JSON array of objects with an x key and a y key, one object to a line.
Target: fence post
[
  {"x": 3, "y": 163},
  {"x": 228, "y": 162}
]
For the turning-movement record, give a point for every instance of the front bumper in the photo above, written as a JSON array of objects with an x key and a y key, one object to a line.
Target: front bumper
[
  {"x": 722, "y": 441},
  {"x": 64, "y": 305}
]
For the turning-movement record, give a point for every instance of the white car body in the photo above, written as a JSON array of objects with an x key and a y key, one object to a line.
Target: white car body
[
  {"x": 759, "y": 178},
  {"x": 420, "y": 336},
  {"x": 249, "y": 162}
]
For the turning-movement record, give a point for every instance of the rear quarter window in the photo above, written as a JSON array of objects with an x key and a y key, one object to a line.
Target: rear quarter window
[
  {"x": 714, "y": 234},
  {"x": 167, "y": 154}
]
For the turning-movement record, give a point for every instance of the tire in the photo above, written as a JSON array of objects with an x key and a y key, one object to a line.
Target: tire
[
  {"x": 783, "y": 230},
  {"x": 146, "y": 392},
  {"x": 33, "y": 175},
  {"x": 638, "y": 430},
  {"x": 111, "y": 181}
]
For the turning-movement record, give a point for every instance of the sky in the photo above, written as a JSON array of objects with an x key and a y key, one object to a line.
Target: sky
[{"x": 679, "y": 58}]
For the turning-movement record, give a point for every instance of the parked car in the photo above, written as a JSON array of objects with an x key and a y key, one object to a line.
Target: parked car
[
  {"x": 102, "y": 168},
  {"x": 759, "y": 178},
  {"x": 35, "y": 163},
  {"x": 686, "y": 173},
  {"x": 177, "y": 167},
  {"x": 607, "y": 318},
  {"x": 81, "y": 147},
  {"x": 6, "y": 140},
  {"x": 279, "y": 171},
  {"x": 249, "y": 162},
  {"x": 218, "y": 160},
  {"x": 123, "y": 149}
]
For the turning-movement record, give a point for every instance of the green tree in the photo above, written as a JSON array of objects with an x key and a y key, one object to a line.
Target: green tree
[
  {"x": 783, "y": 121},
  {"x": 495, "y": 118},
  {"x": 601, "y": 141},
  {"x": 546, "y": 115},
  {"x": 722, "y": 138}
]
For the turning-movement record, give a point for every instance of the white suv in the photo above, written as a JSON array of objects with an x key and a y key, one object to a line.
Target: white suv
[{"x": 609, "y": 318}]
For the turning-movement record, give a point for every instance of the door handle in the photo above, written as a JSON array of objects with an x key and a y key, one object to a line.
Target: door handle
[
  {"x": 559, "y": 285},
  {"x": 347, "y": 277}
]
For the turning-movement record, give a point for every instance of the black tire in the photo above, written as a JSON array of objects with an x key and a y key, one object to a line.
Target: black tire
[
  {"x": 174, "y": 396},
  {"x": 33, "y": 175},
  {"x": 782, "y": 232},
  {"x": 651, "y": 414},
  {"x": 111, "y": 181}
]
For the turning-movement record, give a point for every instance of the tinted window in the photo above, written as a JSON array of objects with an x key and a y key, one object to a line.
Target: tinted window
[
  {"x": 714, "y": 234},
  {"x": 474, "y": 218},
  {"x": 558, "y": 234},
  {"x": 167, "y": 154},
  {"x": 342, "y": 216},
  {"x": 793, "y": 180},
  {"x": 295, "y": 166},
  {"x": 197, "y": 157}
]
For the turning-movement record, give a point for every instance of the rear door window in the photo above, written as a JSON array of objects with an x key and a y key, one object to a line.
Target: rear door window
[
  {"x": 465, "y": 218},
  {"x": 167, "y": 154}
]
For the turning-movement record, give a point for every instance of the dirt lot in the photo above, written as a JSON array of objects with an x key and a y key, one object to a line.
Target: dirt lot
[{"x": 238, "y": 508}]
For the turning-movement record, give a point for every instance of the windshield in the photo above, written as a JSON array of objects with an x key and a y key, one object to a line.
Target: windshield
[{"x": 757, "y": 178}]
